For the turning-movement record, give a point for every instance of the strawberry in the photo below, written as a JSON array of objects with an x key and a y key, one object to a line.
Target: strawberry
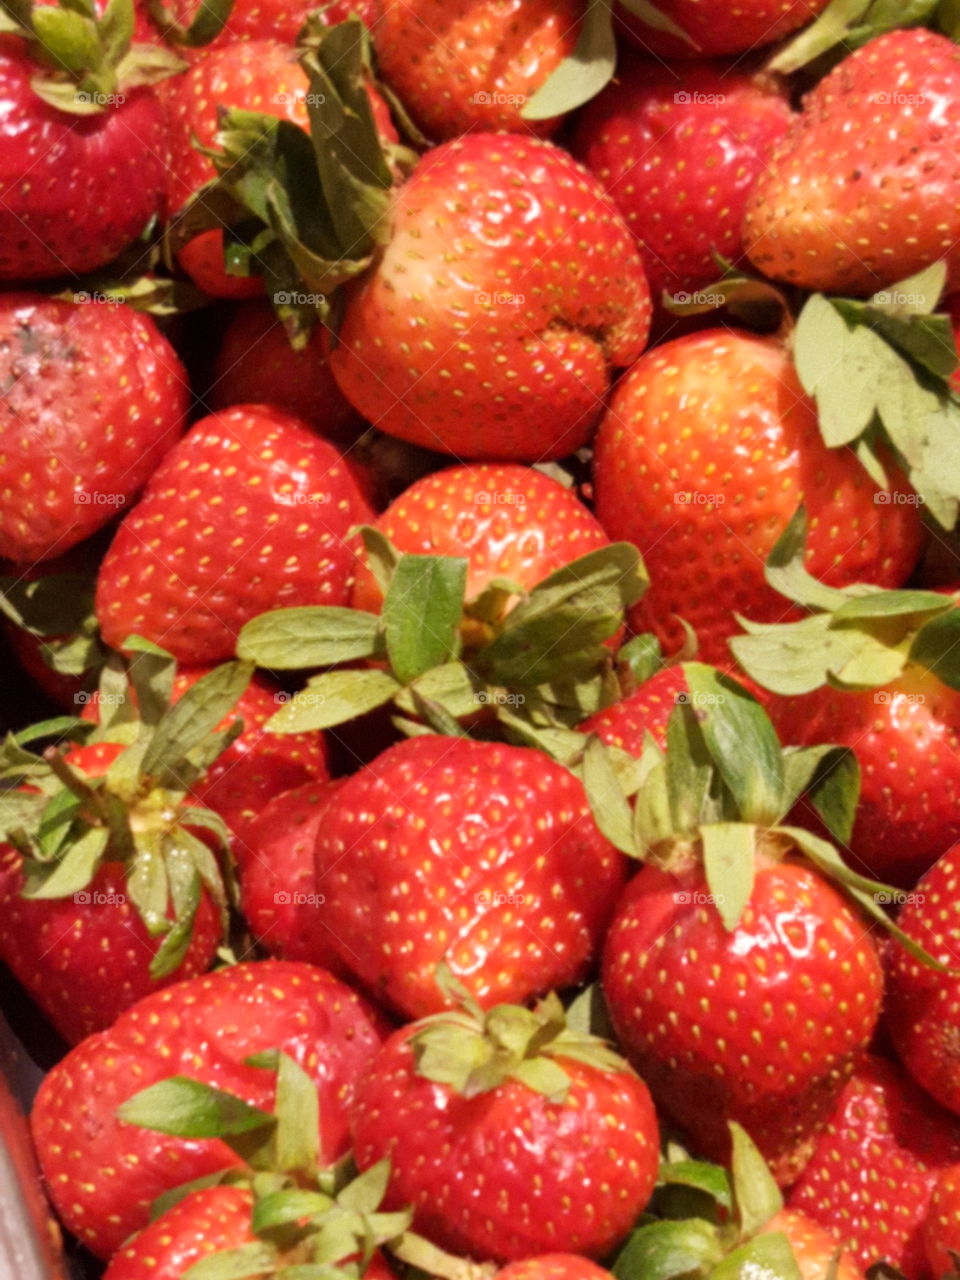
[
  {"x": 481, "y": 854},
  {"x": 708, "y": 447},
  {"x": 469, "y": 64},
  {"x": 922, "y": 1000},
  {"x": 255, "y": 364},
  {"x": 843, "y": 205},
  {"x": 553, "y": 1266},
  {"x": 482, "y": 1118},
  {"x": 103, "y": 1174},
  {"x": 279, "y": 20},
  {"x": 814, "y": 1248},
  {"x": 67, "y": 205},
  {"x": 713, "y": 31},
  {"x": 510, "y": 522},
  {"x": 678, "y": 151},
  {"x": 518, "y": 315},
  {"x": 258, "y": 507},
  {"x": 874, "y": 1165},
  {"x": 941, "y": 1230},
  {"x": 95, "y": 396}
]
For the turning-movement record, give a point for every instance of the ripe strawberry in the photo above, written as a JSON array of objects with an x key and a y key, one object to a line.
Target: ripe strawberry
[
  {"x": 278, "y": 20},
  {"x": 717, "y": 31},
  {"x": 255, "y": 364},
  {"x": 482, "y": 855},
  {"x": 553, "y": 1266},
  {"x": 843, "y": 206},
  {"x": 469, "y": 64},
  {"x": 204, "y": 1222},
  {"x": 103, "y": 1175},
  {"x": 279, "y": 893},
  {"x": 483, "y": 1117},
  {"x": 94, "y": 398},
  {"x": 707, "y": 449},
  {"x": 501, "y": 343},
  {"x": 250, "y": 511},
  {"x": 510, "y": 522},
  {"x": 814, "y": 1248},
  {"x": 67, "y": 205},
  {"x": 941, "y": 1230},
  {"x": 678, "y": 151},
  {"x": 874, "y": 1165}
]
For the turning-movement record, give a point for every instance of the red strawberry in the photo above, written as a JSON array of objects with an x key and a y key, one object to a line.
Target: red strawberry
[
  {"x": 94, "y": 398},
  {"x": 279, "y": 890},
  {"x": 553, "y": 1266},
  {"x": 510, "y": 522},
  {"x": 873, "y": 1167},
  {"x": 814, "y": 1248},
  {"x": 480, "y": 854},
  {"x": 941, "y": 1231},
  {"x": 924, "y": 1004},
  {"x": 278, "y": 20},
  {"x": 758, "y": 1024},
  {"x": 460, "y": 65},
  {"x": 249, "y": 512},
  {"x": 716, "y": 30},
  {"x": 204, "y": 1222},
  {"x": 104, "y": 1175},
  {"x": 844, "y": 205},
  {"x": 707, "y": 449},
  {"x": 483, "y": 1120},
  {"x": 255, "y": 364},
  {"x": 67, "y": 205},
  {"x": 678, "y": 150},
  {"x": 501, "y": 343}
]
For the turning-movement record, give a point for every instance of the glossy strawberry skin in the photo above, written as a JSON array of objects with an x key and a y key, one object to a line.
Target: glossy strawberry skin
[
  {"x": 102, "y": 1175},
  {"x": 249, "y": 512},
  {"x": 509, "y": 522},
  {"x": 761, "y": 1024},
  {"x": 553, "y": 1266},
  {"x": 678, "y": 150},
  {"x": 941, "y": 1231},
  {"x": 906, "y": 737},
  {"x": 480, "y": 854},
  {"x": 715, "y": 30},
  {"x": 874, "y": 1165},
  {"x": 707, "y": 449},
  {"x": 924, "y": 1004},
  {"x": 490, "y": 1176},
  {"x": 462, "y": 65},
  {"x": 527, "y": 290},
  {"x": 95, "y": 396},
  {"x": 204, "y": 1222},
  {"x": 845, "y": 203},
  {"x": 277, "y": 20},
  {"x": 814, "y": 1248},
  {"x": 67, "y": 205},
  {"x": 86, "y": 958}
]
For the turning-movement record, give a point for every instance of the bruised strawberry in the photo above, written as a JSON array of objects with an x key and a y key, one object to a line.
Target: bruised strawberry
[
  {"x": 462, "y": 65},
  {"x": 249, "y": 512},
  {"x": 94, "y": 397},
  {"x": 678, "y": 150}
]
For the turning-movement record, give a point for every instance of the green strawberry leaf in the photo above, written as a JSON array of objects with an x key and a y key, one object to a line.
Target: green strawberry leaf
[
  {"x": 176, "y": 942},
  {"x": 58, "y": 604},
  {"x": 669, "y": 1251},
  {"x": 830, "y": 776},
  {"x": 768, "y": 1255},
  {"x": 710, "y": 1179},
  {"x": 755, "y": 1190},
  {"x": 310, "y": 636},
  {"x": 785, "y": 571},
  {"x": 256, "y": 1259},
  {"x": 185, "y": 725},
  {"x": 892, "y": 604},
  {"x": 642, "y": 657},
  {"x": 608, "y": 804},
  {"x": 382, "y": 556},
  {"x": 584, "y": 73},
  {"x": 453, "y": 687},
  {"x": 652, "y": 816},
  {"x": 282, "y": 1208},
  {"x": 690, "y": 772},
  {"x": 845, "y": 25},
  {"x": 729, "y": 861},
  {"x": 935, "y": 646},
  {"x": 656, "y": 18},
  {"x": 150, "y": 671},
  {"x": 332, "y": 698},
  {"x": 187, "y": 1108},
  {"x": 71, "y": 875},
  {"x": 205, "y": 25},
  {"x": 298, "y": 1118},
  {"x": 422, "y": 612}
]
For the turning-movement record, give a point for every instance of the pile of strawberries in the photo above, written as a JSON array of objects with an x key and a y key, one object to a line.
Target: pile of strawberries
[{"x": 478, "y": 498}]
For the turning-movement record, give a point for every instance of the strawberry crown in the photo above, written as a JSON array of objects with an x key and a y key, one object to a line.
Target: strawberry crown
[
  {"x": 854, "y": 638},
  {"x": 66, "y": 823}
]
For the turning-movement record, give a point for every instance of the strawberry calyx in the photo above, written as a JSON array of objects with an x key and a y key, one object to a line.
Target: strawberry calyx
[
  {"x": 89, "y": 60},
  {"x": 854, "y": 638},
  {"x": 58, "y": 609},
  {"x": 846, "y": 25},
  {"x": 66, "y": 823},
  {"x": 302, "y": 1214},
  {"x": 442, "y": 660},
  {"x": 206, "y": 24}
]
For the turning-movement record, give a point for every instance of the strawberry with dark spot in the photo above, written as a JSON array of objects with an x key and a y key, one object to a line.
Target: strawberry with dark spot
[
  {"x": 93, "y": 397},
  {"x": 249, "y": 512}
]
